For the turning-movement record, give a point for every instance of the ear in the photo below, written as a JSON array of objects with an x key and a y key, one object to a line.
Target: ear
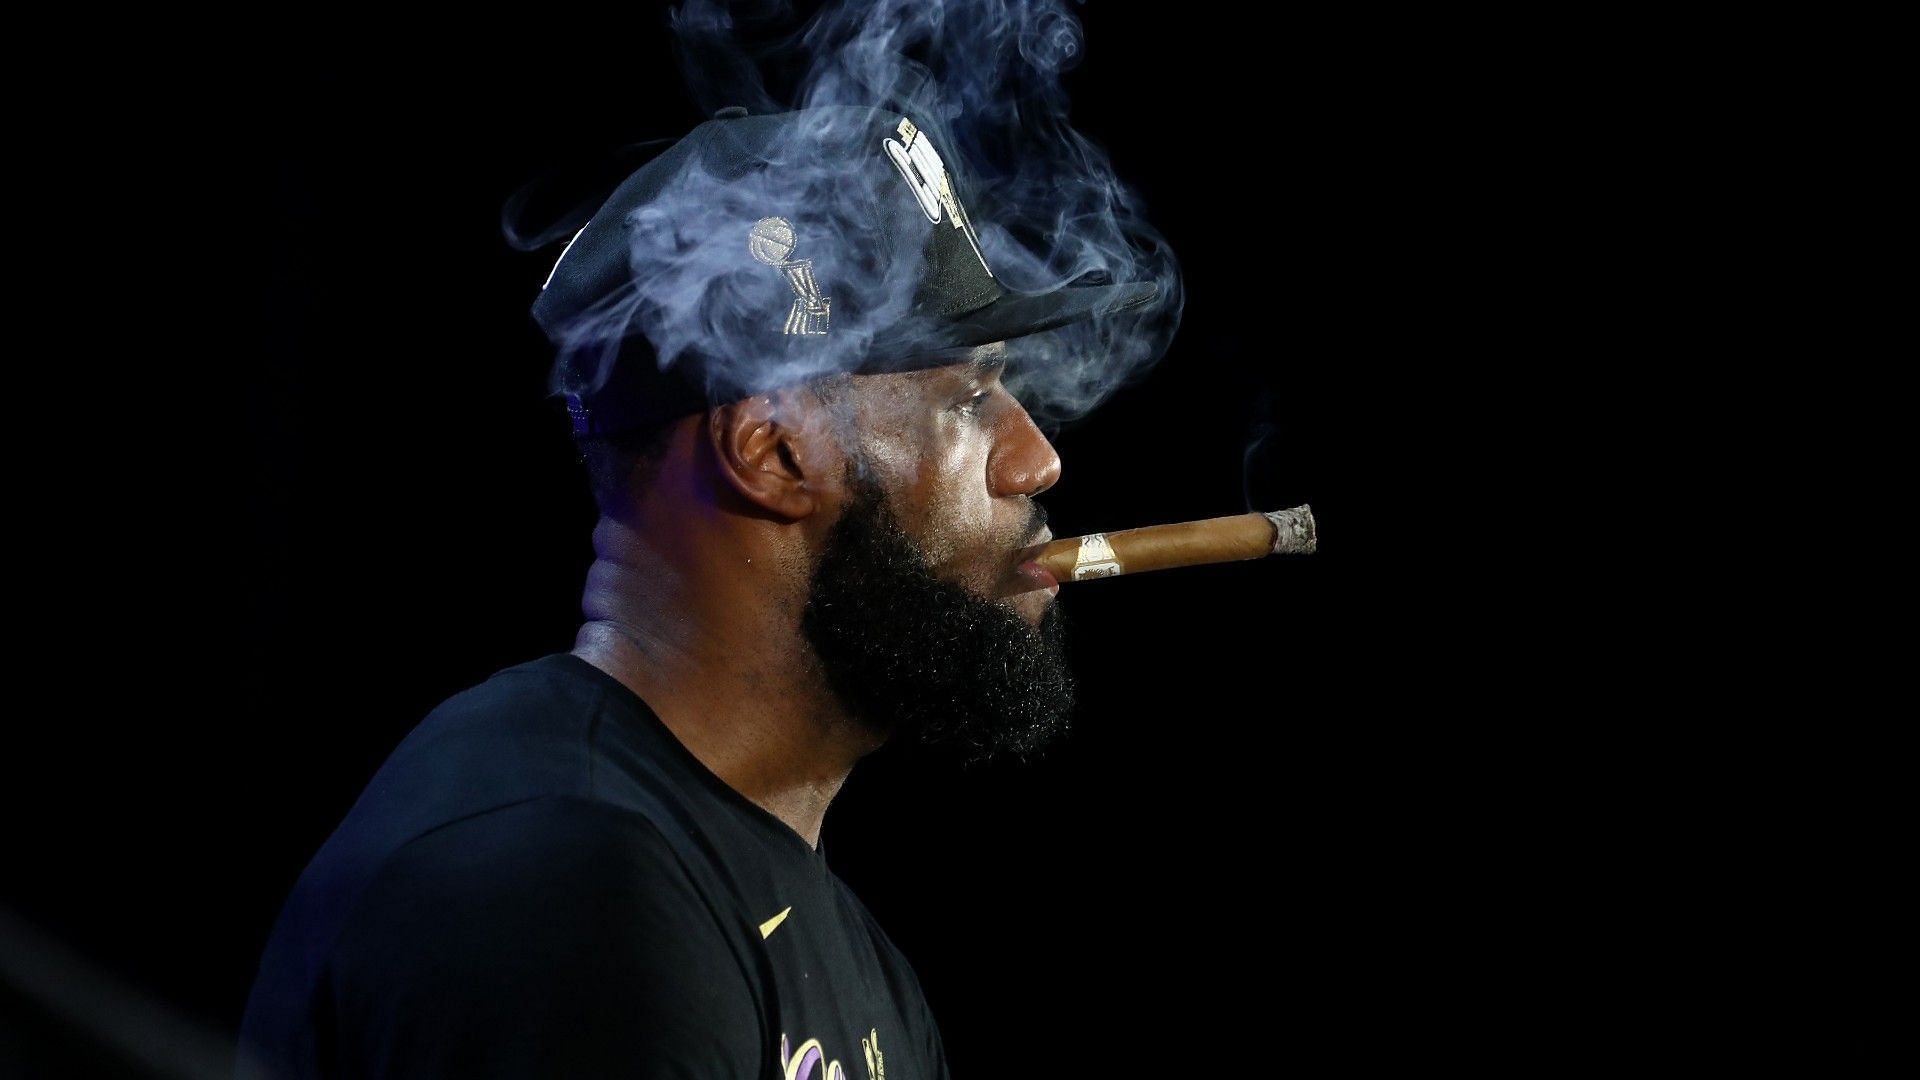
[{"x": 765, "y": 452}]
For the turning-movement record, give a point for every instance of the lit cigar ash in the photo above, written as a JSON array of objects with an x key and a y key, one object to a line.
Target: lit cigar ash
[{"x": 1189, "y": 543}]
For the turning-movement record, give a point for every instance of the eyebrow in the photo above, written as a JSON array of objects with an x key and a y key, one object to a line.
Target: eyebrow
[{"x": 986, "y": 365}]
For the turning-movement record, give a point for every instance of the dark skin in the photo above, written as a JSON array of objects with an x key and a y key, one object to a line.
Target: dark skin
[{"x": 694, "y": 599}]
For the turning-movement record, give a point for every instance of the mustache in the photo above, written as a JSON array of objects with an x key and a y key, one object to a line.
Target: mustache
[{"x": 1036, "y": 522}]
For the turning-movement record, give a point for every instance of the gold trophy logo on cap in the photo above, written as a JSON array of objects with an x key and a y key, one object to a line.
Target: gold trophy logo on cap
[{"x": 772, "y": 242}]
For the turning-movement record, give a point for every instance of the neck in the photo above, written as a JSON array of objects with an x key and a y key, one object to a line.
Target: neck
[{"x": 715, "y": 650}]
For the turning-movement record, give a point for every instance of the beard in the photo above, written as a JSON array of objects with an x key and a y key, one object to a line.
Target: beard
[{"x": 914, "y": 656}]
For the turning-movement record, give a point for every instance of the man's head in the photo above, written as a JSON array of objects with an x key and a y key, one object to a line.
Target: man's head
[
  {"x": 901, "y": 502},
  {"x": 800, "y": 305}
]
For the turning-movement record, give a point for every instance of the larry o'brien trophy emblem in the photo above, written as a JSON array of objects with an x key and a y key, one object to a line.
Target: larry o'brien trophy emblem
[{"x": 772, "y": 243}]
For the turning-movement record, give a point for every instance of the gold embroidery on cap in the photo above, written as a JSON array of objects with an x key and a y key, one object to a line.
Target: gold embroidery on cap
[{"x": 926, "y": 174}]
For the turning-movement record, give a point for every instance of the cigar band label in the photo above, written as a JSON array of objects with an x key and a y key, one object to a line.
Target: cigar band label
[{"x": 1095, "y": 558}]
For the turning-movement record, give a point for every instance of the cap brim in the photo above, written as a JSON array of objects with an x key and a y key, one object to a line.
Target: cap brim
[{"x": 1014, "y": 315}]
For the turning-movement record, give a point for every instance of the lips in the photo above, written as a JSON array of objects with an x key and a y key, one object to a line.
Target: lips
[
  {"x": 1036, "y": 577},
  {"x": 1031, "y": 574}
]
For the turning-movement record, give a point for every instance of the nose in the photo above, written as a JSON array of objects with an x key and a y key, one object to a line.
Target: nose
[{"x": 1023, "y": 460}]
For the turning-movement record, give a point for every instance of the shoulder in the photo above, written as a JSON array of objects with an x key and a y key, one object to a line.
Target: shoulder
[
  {"x": 552, "y": 853},
  {"x": 549, "y": 924},
  {"x": 533, "y": 688},
  {"x": 525, "y": 731}
]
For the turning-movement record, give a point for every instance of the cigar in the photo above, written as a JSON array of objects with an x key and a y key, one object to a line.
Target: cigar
[{"x": 1189, "y": 543}]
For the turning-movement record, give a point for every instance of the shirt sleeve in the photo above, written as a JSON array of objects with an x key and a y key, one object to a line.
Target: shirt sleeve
[{"x": 556, "y": 937}]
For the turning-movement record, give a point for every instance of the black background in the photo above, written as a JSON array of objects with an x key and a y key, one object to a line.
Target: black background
[{"x": 301, "y": 484}]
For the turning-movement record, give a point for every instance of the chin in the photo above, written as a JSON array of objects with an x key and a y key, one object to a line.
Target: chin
[{"x": 1032, "y": 605}]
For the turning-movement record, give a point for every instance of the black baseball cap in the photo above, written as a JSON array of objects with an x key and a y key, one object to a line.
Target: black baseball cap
[{"x": 760, "y": 250}]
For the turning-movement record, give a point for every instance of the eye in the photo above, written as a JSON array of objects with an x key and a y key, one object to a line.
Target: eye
[{"x": 971, "y": 406}]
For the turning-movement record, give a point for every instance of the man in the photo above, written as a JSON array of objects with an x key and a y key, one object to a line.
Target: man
[{"x": 608, "y": 861}]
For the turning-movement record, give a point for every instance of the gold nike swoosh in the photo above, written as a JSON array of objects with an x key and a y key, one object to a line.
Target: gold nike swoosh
[{"x": 772, "y": 924}]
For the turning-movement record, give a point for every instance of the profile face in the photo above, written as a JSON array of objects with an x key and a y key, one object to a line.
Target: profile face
[
  {"x": 962, "y": 463},
  {"x": 915, "y": 608}
]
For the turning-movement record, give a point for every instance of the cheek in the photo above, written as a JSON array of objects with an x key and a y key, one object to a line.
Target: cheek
[
  {"x": 936, "y": 469},
  {"x": 956, "y": 511}
]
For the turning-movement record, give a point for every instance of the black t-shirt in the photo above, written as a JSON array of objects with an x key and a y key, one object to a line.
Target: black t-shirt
[{"x": 542, "y": 880}]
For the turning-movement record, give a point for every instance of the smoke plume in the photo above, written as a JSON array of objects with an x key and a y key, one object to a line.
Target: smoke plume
[{"x": 773, "y": 278}]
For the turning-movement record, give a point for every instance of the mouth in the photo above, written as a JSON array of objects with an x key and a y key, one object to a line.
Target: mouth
[{"x": 1031, "y": 576}]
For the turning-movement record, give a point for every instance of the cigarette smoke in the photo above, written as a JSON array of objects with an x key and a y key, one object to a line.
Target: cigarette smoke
[
  {"x": 1260, "y": 434},
  {"x": 983, "y": 78},
  {"x": 1262, "y": 426}
]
